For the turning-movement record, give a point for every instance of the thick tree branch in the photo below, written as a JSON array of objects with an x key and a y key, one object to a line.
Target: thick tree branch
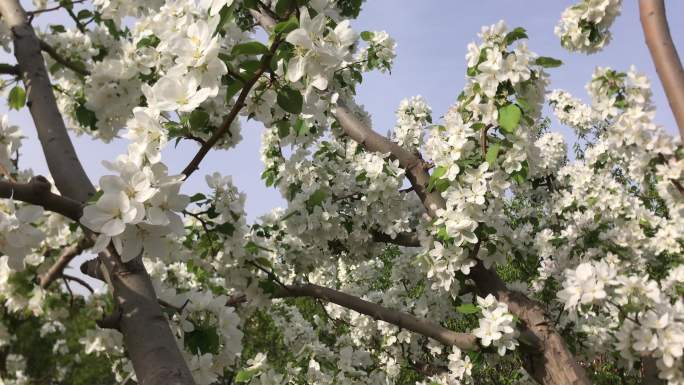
[
  {"x": 68, "y": 254},
  {"x": 463, "y": 341},
  {"x": 37, "y": 192},
  {"x": 664, "y": 55},
  {"x": 150, "y": 345},
  {"x": 554, "y": 363},
  {"x": 416, "y": 168},
  {"x": 70, "y": 178},
  {"x": 232, "y": 115}
]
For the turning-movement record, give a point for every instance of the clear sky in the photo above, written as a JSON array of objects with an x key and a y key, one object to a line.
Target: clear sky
[{"x": 432, "y": 36}]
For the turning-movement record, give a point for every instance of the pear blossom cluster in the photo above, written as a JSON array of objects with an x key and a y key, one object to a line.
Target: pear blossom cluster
[
  {"x": 584, "y": 26},
  {"x": 380, "y": 52},
  {"x": 413, "y": 116},
  {"x": 497, "y": 326}
]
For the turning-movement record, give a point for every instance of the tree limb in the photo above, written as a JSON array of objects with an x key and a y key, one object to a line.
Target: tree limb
[
  {"x": 464, "y": 341},
  {"x": 9, "y": 69},
  {"x": 67, "y": 255},
  {"x": 554, "y": 363},
  {"x": 37, "y": 192},
  {"x": 70, "y": 178},
  {"x": 416, "y": 168},
  {"x": 664, "y": 55}
]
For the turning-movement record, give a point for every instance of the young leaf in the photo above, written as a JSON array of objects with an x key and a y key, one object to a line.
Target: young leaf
[
  {"x": 300, "y": 127},
  {"x": 17, "y": 98},
  {"x": 492, "y": 153},
  {"x": 516, "y": 34},
  {"x": 316, "y": 199},
  {"x": 290, "y": 100},
  {"x": 438, "y": 173},
  {"x": 366, "y": 35},
  {"x": 250, "y": 48},
  {"x": 286, "y": 26},
  {"x": 509, "y": 117},
  {"x": 548, "y": 62},
  {"x": 467, "y": 308},
  {"x": 198, "y": 119}
]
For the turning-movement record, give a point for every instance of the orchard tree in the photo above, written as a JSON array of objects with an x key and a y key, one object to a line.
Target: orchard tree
[{"x": 473, "y": 249}]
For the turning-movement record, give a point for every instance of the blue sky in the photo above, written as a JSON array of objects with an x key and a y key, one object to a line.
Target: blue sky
[{"x": 432, "y": 36}]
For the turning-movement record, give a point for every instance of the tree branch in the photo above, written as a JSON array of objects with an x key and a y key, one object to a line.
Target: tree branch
[
  {"x": 416, "y": 168},
  {"x": 554, "y": 363},
  {"x": 239, "y": 103},
  {"x": 464, "y": 341},
  {"x": 74, "y": 66},
  {"x": 70, "y": 178},
  {"x": 9, "y": 69},
  {"x": 37, "y": 192},
  {"x": 67, "y": 255},
  {"x": 664, "y": 55}
]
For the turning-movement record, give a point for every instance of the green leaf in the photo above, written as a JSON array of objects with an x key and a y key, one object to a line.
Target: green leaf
[
  {"x": 316, "y": 199},
  {"x": 226, "y": 228},
  {"x": 283, "y": 6},
  {"x": 548, "y": 62},
  {"x": 300, "y": 127},
  {"x": 286, "y": 26},
  {"x": 467, "y": 308},
  {"x": 203, "y": 340},
  {"x": 250, "y": 48},
  {"x": 57, "y": 29},
  {"x": 437, "y": 174},
  {"x": 509, "y": 117},
  {"x": 84, "y": 14},
  {"x": 252, "y": 247},
  {"x": 148, "y": 41},
  {"x": 516, "y": 34},
  {"x": 17, "y": 98},
  {"x": 232, "y": 89},
  {"x": 198, "y": 119},
  {"x": 283, "y": 128},
  {"x": 197, "y": 197},
  {"x": 290, "y": 100},
  {"x": 86, "y": 117},
  {"x": 492, "y": 153},
  {"x": 366, "y": 35}
]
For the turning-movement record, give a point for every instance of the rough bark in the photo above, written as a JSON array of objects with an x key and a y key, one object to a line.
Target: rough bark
[
  {"x": 664, "y": 55},
  {"x": 149, "y": 342},
  {"x": 554, "y": 363},
  {"x": 463, "y": 341}
]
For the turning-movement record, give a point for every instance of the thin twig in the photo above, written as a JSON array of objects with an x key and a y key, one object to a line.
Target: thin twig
[
  {"x": 239, "y": 103},
  {"x": 79, "y": 281},
  {"x": 50, "y": 50}
]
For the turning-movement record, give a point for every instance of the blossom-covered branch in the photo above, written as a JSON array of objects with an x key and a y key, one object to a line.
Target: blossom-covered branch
[{"x": 463, "y": 341}]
